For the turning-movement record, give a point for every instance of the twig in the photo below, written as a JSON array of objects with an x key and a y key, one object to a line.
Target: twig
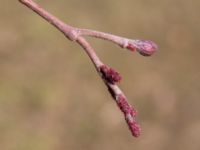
[{"x": 109, "y": 75}]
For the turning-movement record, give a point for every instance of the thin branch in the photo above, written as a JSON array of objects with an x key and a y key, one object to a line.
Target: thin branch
[
  {"x": 110, "y": 78},
  {"x": 108, "y": 75},
  {"x": 67, "y": 30},
  {"x": 144, "y": 47}
]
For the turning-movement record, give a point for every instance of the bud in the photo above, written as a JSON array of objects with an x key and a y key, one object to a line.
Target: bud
[
  {"x": 125, "y": 107},
  {"x": 129, "y": 113},
  {"x": 109, "y": 74},
  {"x": 134, "y": 127},
  {"x": 144, "y": 47}
]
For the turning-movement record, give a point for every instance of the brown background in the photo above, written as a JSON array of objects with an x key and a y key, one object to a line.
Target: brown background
[{"x": 52, "y": 99}]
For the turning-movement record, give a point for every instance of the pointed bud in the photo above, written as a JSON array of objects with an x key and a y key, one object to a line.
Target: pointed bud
[{"x": 144, "y": 47}]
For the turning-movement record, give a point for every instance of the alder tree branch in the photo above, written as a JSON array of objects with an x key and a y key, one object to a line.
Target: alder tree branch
[{"x": 108, "y": 75}]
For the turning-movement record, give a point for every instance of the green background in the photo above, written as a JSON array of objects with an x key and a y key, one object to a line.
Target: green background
[{"x": 52, "y": 99}]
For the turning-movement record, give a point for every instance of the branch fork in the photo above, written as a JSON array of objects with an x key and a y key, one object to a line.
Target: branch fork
[{"x": 108, "y": 75}]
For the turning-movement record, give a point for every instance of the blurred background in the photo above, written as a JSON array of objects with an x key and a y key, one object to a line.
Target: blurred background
[{"x": 52, "y": 99}]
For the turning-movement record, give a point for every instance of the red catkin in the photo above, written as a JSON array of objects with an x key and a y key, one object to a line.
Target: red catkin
[
  {"x": 125, "y": 107},
  {"x": 109, "y": 74},
  {"x": 128, "y": 111},
  {"x": 130, "y": 114},
  {"x": 134, "y": 127}
]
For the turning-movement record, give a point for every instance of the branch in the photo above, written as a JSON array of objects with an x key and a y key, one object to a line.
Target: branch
[
  {"x": 144, "y": 47},
  {"x": 108, "y": 75}
]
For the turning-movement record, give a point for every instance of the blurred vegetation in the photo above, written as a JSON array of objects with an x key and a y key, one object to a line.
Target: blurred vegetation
[{"x": 52, "y": 99}]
